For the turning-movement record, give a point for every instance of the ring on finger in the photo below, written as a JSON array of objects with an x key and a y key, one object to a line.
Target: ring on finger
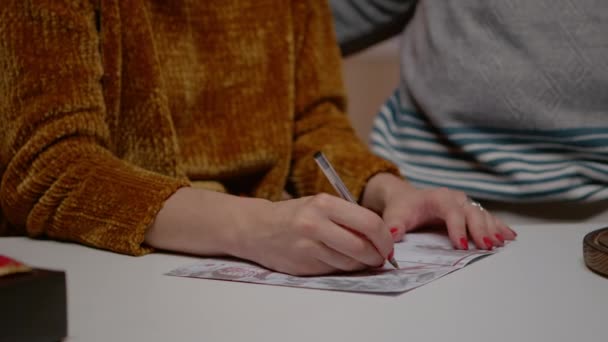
[{"x": 475, "y": 204}]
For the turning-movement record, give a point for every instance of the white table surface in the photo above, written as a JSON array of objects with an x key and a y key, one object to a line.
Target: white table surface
[{"x": 537, "y": 289}]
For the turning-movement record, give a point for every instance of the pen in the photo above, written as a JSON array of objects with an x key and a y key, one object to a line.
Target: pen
[{"x": 337, "y": 183}]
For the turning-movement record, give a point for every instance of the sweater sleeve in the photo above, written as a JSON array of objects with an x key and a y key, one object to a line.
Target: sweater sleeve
[
  {"x": 321, "y": 122},
  {"x": 58, "y": 178},
  {"x": 360, "y": 24}
]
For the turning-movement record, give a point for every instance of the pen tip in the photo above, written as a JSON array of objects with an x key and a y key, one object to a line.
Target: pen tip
[{"x": 394, "y": 263}]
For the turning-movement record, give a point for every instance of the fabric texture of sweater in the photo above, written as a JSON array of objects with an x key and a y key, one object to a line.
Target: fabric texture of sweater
[{"x": 108, "y": 107}]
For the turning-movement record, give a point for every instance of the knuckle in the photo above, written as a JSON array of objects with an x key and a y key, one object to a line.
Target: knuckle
[
  {"x": 460, "y": 196},
  {"x": 473, "y": 218},
  {"x": 321, "y": 200}
]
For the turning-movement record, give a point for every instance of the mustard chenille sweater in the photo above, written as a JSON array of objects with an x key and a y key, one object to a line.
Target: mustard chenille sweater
[{"x": 108, "y": 107}]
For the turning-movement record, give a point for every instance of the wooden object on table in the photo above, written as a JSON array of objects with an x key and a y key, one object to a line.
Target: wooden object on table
[{"x": 595, "y": 251}]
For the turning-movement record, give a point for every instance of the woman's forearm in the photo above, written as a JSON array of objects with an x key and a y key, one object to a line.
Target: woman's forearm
[{"x": 204, "y": 222}]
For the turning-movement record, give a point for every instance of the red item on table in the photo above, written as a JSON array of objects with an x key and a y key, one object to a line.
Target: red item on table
[{"x": 11, "y": 266}]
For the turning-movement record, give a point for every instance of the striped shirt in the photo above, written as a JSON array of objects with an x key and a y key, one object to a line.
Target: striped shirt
[{"x": 486, "y": 162}]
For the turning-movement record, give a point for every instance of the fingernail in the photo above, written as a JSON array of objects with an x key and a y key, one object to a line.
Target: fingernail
[
  {"x": 464, "y": 244},
  {"x": 500, "y": 237},
  {"x": 390, "y": 255},
  {"x": 393, "y": 231},
  {"x": 488, "y": 242}
]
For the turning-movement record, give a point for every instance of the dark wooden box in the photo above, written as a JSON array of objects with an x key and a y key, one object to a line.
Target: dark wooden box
[{"x": 33, "y": 307}]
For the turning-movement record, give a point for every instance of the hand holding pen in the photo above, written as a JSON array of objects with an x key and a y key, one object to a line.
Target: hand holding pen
[
  {"x": 304, "y": 236},
  {"x": 342, "y": 190}
]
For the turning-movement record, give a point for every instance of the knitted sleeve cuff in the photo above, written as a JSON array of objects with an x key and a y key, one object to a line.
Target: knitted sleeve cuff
[{"x": 110, "y": 206}]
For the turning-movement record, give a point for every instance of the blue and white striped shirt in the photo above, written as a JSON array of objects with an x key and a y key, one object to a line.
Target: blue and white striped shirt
[{"x": 500, "y": 164}]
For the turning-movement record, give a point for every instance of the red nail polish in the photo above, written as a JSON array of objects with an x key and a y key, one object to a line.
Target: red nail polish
[
  {"x": 500, "y": 237},
  {"x": 393, "y": 231},
  {"x": 488, "y": 242},
  {"x": 464, "y": 244}
]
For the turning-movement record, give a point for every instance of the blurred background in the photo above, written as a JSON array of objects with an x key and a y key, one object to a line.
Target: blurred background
[{"x": 370, "y": 78}]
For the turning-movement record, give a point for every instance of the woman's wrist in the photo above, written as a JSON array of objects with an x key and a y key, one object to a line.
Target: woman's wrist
[
  {"x": 205, "y": 223},
  {"x": 250, "y": 214},
  {"x": 380, "y": 188}
]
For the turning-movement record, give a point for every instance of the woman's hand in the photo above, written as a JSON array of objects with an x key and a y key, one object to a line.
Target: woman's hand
[
  {"x": 307, "y": 236},
  {"x": 405, "y": 208},
  {"x": 315, "y": 235}
]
